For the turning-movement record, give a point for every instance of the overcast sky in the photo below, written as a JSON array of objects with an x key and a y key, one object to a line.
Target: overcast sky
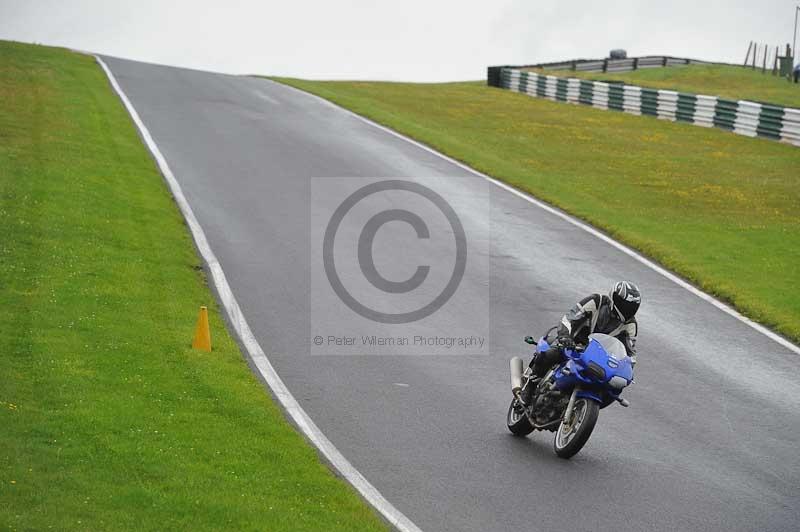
[{"x": 414, "y": 40}]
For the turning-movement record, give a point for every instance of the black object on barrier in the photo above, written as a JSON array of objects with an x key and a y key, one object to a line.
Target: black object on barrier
[{"x": 493, "y": 76}]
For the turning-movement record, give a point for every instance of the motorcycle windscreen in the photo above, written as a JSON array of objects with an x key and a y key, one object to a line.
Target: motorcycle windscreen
[{"x": 610, "y": 345}]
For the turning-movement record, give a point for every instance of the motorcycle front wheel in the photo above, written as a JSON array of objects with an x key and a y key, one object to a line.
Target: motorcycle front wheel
[
  {"x": 570, "y": 438},
  {"x": 517, "y": 421}
]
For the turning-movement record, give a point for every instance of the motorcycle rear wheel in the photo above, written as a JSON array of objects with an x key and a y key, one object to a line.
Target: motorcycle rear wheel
[
  {"x": 517, "y": 421},
  {"x": 570, "y": 439}
]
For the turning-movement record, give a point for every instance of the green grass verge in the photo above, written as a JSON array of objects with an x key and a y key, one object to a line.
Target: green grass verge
[
  {"x": 718, "y": 208},
  {"x": 731, "y": 82},
  {"x": 108, "y": 420}
]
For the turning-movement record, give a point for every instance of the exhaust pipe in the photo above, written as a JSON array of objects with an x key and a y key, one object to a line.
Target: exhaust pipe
[{"x": 516, "y": 375}]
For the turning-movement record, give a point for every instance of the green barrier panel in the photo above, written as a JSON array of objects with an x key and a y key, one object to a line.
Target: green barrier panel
[
  {"x": 523, "y": 82},
  {"x": 541, "y": 86},
  {"x": 770, "y": 122},
  {"x": 586, "y": 92},
  {"x": 649, "y": 102},
  {"x": 725, "y": 113},
  {"x": 686, "y": 107},
  {"x": 616, "y": 97},
  {"x": 561, "y": 90}
]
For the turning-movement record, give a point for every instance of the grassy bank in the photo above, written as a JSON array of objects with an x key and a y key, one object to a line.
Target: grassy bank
[
  {"x": 718, "y": 208},
  {"x": 108, "y": 420},
  {"x": 734, "y": 83}
]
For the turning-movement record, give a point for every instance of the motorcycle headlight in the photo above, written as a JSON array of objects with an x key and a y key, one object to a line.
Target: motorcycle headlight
[
  {"x": 617, "y": 382},
  {"x": 596, "y": 371}
]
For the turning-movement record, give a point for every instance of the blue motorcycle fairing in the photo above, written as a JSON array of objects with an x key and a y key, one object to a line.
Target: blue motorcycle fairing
[
  {"x": 602, "y": 352},
  {"x": 620, "y": 366}
]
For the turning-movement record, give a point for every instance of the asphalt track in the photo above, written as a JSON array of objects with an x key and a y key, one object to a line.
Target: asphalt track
[{"x": 711, "y": 439}]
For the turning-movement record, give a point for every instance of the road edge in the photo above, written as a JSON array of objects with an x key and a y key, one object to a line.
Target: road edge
[{"x": 254, "y": 351}]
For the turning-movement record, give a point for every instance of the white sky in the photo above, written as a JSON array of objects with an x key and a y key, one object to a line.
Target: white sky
[{"x": 413, "y": 40}]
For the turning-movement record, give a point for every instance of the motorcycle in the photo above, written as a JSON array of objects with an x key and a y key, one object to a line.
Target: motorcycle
[{"x": 568, "y": 399}]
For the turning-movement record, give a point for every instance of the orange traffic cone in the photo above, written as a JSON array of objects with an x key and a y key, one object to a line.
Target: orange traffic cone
[{"x": 202, "y": 334}]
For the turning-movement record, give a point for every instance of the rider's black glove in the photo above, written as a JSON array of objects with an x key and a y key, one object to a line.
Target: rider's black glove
[{"x": 566, "y": 342}]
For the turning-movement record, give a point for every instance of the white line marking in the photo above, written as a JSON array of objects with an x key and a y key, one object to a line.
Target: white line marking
[
  {"x": 266, "y": 97},
  {"x": 257, "y": 355},
  {"x": 577, "y": 223}
]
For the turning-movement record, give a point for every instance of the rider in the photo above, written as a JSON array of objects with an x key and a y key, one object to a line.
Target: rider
[{"x": 613, "y": 315}]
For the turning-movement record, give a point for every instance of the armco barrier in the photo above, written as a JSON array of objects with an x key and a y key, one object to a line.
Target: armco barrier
[
  {"x": 618, "y": 65},
  {"x": 743, "y": 117}
]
